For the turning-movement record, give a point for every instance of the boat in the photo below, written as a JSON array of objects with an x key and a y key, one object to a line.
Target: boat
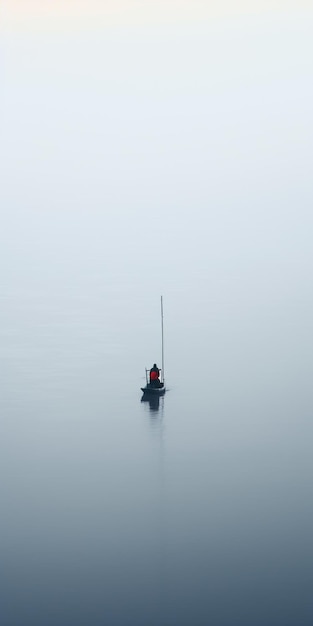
[
  {"x": 153, "y": 391},
  {"x": 156, "y": 389}
]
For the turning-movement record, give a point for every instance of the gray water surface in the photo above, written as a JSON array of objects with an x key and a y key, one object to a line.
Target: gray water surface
[{"x": 193, "y": 510}]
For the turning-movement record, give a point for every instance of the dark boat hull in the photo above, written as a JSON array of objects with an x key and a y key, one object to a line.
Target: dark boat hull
[{"x": 153, "y": 391}]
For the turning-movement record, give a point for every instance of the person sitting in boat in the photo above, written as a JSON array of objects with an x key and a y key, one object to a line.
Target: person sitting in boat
[{"x": 155, "y": 376}]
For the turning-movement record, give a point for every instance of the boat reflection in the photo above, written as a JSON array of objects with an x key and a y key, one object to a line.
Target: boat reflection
[
  {"x": 154, "y": 401},
  {"x": 154, "y": 405}
]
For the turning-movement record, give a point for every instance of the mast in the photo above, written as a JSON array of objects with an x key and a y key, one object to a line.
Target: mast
[{"x": 162, "y": 332}]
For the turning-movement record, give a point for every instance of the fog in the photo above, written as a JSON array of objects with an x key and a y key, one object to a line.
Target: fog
[{"x": 139, "y": 161}]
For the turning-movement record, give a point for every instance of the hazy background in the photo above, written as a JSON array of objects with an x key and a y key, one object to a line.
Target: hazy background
[{"x": 152, "y": 149}]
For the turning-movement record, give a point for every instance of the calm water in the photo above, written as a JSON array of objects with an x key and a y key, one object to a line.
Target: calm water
[{"x": 194, "y": 511}]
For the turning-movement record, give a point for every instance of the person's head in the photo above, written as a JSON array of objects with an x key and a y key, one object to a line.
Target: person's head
[{"x": 155, "y": 365}]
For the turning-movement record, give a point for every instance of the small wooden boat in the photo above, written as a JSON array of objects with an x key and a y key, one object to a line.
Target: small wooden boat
[
  {"x": 156, "y": 388},
  {"x": 148, "y": 390}
]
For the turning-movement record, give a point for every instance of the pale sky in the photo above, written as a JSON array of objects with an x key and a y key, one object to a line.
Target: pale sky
[
  {"x": 204, "y": 123},
  {"x": 73, "y": 14}
]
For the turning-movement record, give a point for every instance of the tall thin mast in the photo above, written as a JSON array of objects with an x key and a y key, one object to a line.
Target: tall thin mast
[{"x": 162, "y": 339}]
